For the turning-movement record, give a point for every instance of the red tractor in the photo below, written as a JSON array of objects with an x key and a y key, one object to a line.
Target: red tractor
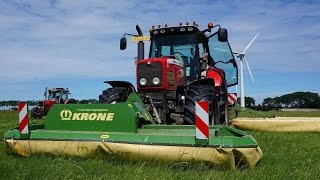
[
  {"x": 185, "y": 65},
  {"x": 52, "y": 96}
]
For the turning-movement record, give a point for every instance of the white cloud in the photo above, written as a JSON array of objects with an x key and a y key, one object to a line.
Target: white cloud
[{"x": 56, "y": 39}]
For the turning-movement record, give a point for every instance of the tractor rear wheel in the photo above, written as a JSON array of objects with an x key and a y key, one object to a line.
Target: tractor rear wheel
[
  {"x": 36, "y": 113},
  {"x": 114, "y": 95},
  {"x": 223, "y": 106},
  {"x": 200, "y": 93}
]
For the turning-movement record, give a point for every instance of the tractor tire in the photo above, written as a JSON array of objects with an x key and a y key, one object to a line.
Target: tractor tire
[
  {"x": 200, "y": 93},
  {"x": 114, "y": 95},
  {"x": 223, "y": 108},
  {"x": 36, "y": 113},
  {"x": 222, "y": 99}
]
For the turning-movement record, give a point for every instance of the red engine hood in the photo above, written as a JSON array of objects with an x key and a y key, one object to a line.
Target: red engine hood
[{"x": 170, "y": 70}]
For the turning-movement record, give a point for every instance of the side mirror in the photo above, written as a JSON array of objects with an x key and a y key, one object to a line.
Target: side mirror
[
  {"x": 123, "y": 43},
  {"x": 222, "y": 35}
]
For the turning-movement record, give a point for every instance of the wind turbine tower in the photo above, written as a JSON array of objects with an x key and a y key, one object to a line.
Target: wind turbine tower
[{"x": 242, "y": 59}]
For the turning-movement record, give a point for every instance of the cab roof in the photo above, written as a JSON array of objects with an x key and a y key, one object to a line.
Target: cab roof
[
  {"x": 58, "y": 90},
  {"x": 187, "y": 29}
]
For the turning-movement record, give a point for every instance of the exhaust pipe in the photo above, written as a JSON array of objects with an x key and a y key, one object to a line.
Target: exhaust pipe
[{"x": 140, "y": 44}]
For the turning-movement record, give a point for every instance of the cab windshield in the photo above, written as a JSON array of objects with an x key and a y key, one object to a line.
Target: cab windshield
[
  {"x": 222, "y": 53},
  {"x": 57, "y": 95},
  {"x": 180, "y": 47},
  {"x": 52, "y": 96}
]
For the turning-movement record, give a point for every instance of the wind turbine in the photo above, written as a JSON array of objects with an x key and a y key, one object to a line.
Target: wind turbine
[{"x": 242, "y": 58}]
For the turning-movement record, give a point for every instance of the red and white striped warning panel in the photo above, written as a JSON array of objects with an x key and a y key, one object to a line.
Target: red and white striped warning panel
[
  {"x": 23, "y": 118},
  {"x": 232, "y": 98},
  {"x": 202, "y": 120}
]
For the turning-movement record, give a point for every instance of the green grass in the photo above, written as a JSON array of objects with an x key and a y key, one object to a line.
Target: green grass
[
  {"x": 246, "y": 112},
  {"x": 286, "y": 156}
]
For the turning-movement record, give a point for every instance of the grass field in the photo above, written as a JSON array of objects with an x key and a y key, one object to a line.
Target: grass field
[{"x": 286, "y": 156}]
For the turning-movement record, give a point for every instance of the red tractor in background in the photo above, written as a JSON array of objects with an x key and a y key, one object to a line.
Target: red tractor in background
[
  {"x": 52, "y": 96},
  {"x": 185, "y": 65}
]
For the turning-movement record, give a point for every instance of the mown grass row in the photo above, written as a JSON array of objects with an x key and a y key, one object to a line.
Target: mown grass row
[{"x": 286, "y": 156}]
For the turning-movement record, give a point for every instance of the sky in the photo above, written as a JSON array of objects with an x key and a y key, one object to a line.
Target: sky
[{"x": 75, "y": 44}]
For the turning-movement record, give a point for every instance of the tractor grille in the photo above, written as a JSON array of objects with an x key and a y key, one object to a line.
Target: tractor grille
[{"x": 149, "y": 71}]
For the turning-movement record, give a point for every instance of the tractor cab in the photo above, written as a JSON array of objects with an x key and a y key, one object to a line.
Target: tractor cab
[
  {"x": 190, "y": 46},
  {"x": 182, "y": 46},
  {"x": 59, "y": 95}
]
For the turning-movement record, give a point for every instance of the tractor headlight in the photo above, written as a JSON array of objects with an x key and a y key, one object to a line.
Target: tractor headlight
[
  {"x": 143, "y": 81},
  {"x": 156, "y": 81}
]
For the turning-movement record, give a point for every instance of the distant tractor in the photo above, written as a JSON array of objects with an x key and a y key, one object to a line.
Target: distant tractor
[
  {"x": 185, "y": 65},
  {"x": 52, "y": 96}
]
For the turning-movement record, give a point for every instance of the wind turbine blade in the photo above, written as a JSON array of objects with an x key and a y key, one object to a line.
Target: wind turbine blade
[
  {"x": 222, "y": 49},
  {"x": 250, "y": 43},
  {"x": 248, "y": 68},
  {"x": 227, "y": 50},
  {"x": 236, "y": 52}
]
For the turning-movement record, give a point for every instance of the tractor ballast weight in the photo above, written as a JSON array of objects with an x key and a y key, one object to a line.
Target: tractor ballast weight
[{"x": 178, "y": 112}]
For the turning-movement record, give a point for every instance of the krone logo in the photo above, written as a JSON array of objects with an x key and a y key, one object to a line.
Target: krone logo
[{"x": 66, "y": 114}]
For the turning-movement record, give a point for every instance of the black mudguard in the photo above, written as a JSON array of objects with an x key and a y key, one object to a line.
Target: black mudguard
[
  {"x": 125, "y": 84},
  {"x": 207, "y": 81}
]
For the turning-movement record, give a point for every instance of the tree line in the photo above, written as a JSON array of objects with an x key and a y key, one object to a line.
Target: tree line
[
  {"x": 292, "y": 100},
  {"x": 35, "y": 103}
]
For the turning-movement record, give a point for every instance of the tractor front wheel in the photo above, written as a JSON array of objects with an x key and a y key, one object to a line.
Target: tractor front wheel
[
  {"x": 200, "y": 93},
  {"x": 114, "y": 95}
]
